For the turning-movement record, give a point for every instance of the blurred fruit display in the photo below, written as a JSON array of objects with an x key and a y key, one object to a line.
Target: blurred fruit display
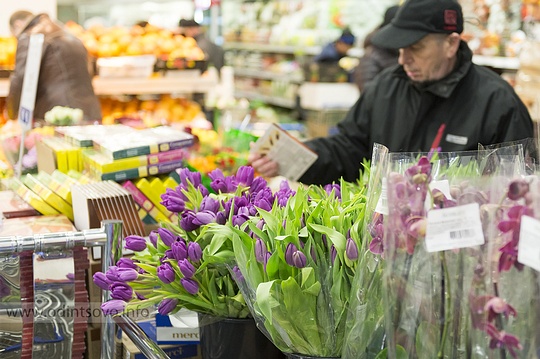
[
  {"x": 101, "y": 41},
  {"x": 8, "y": 47},
  {"x": 149, "y": 111}
]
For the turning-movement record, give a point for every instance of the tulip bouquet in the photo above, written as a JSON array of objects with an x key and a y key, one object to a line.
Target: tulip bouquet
[
  {"x": 296, "y": 263},
  {"x": 169, "y": 270}
]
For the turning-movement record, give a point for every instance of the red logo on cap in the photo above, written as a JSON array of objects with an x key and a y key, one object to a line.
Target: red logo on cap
[{"x": 450, "y": 20}]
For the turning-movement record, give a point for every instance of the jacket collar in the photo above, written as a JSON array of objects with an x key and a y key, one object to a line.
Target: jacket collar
[{"x": 445, "y": 86}]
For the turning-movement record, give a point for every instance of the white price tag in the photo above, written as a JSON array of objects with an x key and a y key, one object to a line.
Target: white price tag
[
  {"x": 529, "y": 242},
  {"x": 382, "y": 203},
  {"x": 30, "y": 81},
  {"x": 454, "y": 228}
]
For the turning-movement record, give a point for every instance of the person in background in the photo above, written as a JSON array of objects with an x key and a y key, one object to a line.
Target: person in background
[
  {"x": 64, "y": 79},
  {"x": 214, "y": 53},
  {"x": 435, "y": 98},
  {"x": 336, "y": 50},
  {"x": 375, "y": 58}
]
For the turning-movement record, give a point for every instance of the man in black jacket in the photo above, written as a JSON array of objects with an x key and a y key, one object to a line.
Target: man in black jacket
[{"x": 435, "y": 89}]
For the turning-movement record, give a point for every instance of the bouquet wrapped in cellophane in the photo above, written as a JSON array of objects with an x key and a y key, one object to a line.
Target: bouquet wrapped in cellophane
[{"x": 436, "y": 249}]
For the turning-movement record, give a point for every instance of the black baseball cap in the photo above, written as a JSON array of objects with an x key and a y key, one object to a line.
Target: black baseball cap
[{"x": 417, "y": 18}]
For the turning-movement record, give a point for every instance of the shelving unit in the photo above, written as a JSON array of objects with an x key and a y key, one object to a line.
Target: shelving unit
[{"x": 281, "y": 102}]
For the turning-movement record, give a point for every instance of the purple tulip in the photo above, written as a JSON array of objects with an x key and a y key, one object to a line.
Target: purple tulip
[
  {"x": 121, "y": 291},
  {"x": 244, "y": 175},
  {"x": 173, "y": 201},
  {"x": 191, "y": 286},
  {"x": 351, "y": 249},
  {"x": 126, "y": 263},
  {"x": 113, "y": 307},
  {"x": 299, "y": 259},
  {"x": 289, "y": 251},
  {"x": 179, "y": 250},
  {"x": 166, "y": 273},
  {"x": 167, "y": 305},
  {"x": 121, "y": 274},
  {"x": 221, "y": 218},
  {"x": 135, "y": 243},
  {"x": 260, "y": 251},
  {"x": 101, "y": 280},
  {"x": 194, "y": 251},
  {"x": 333, "y": 254},
  {"x": 187, "y": 221},
  {"x": 186, "y": 177},
  {"x": 238, "y": 274},
  {"x": 284, "y": 193},
  {"x": 333, "y": 187},
  {"x": 258, "y": 184},
  {"x": 204, "y": 217},
  {"x": 238, "y": 220},
  {"x": 153, "y": 236},
  {"x": 187, "y": 269},
  {"x": 220, "y": 183},
  {"x": 167, "y": 237},
  {"x": 209, "y": 204}
]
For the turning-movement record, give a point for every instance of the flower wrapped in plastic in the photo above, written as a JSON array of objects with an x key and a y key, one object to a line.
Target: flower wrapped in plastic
[
  {"x": 296, "y": 265},
  {"x": 365, "y": 331},
  {"x": 168, "y": 270},
  {"x": 434, "y": 239},
  {"x": 504, "y": 312}
]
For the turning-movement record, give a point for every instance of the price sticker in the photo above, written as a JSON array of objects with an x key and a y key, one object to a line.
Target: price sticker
[
  {"x": 454, "y": 228},
  {"x": 529, "y": 242}
]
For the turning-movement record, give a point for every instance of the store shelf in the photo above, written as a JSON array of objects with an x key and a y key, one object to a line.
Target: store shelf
[
  {"x": 284, "y": 49},
  {"x": 277, "y": 101},
  {"x": 268, "y": 75},
  {"x": 497, "y": 62},
  {"x": 153, "y": 85}
]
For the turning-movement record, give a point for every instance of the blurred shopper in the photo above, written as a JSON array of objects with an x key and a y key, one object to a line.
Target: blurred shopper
[
  {"x": 435, "y": 92},
  {"x": 64, "y": 79},
  {"x": 336, "y": 50},
  {"x": 215, "y": 54},
  {"x": 375, "y": 58}
]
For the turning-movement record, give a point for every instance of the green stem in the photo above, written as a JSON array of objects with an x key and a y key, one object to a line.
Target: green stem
[
  {"x": 457, "y": 307},
  {"x": 445, "y": 301}
]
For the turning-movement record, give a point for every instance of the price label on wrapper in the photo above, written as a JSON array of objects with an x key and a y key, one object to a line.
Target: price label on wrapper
[
  {"x": 454, "y": 228},
  {"x": 529, "y": 242}
]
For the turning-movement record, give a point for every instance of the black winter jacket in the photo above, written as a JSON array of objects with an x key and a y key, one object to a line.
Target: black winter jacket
[{"x": 477, "y": 106}]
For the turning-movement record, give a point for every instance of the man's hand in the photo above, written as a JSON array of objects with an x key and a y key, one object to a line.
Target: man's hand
[{"x": 264, "y": 165}]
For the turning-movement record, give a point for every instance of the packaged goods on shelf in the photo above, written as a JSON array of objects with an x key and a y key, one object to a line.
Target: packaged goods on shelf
[{"x": 126, "y": 66}]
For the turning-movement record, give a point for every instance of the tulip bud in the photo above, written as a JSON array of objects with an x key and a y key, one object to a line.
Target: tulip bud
[
  {"x": 187, "y": 221},
  {"x": 101, "y": 280},
  {"x": 260, "y": 251},
  {"x": 299, "y": 259},
  {"x": 119, "y": 290},
  {"x": 187, "y": 269},
  {"x": 204, "y": 217},
  {"x": 126, "y": 263},
  {"x": 127, "y": 274},
  {"x": 153, "y": 237},
  {"x": 166, "y": 273},
  {"x": 238, "y": 274},
  {"x": 179, "y": 250},
  {"x": 194, "y": 251},
  {"x": 289, "y": 251},
  {"x": 351, "y": 249},
  {"x": 167, "y": 305},
  {"x": 135, "y": 243},
  {"x": 113, "y": 307},
  {"x": 191, "y": 286},
  {"x": 167, "y": 237},
  {"x": 244, "y": 175}
]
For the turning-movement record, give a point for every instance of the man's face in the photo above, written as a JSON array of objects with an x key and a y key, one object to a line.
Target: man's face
[{"x": 430, "y": 59}]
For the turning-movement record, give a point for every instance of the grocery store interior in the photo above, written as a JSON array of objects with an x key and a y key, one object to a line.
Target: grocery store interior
[{"x": 152, "y": 82}]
